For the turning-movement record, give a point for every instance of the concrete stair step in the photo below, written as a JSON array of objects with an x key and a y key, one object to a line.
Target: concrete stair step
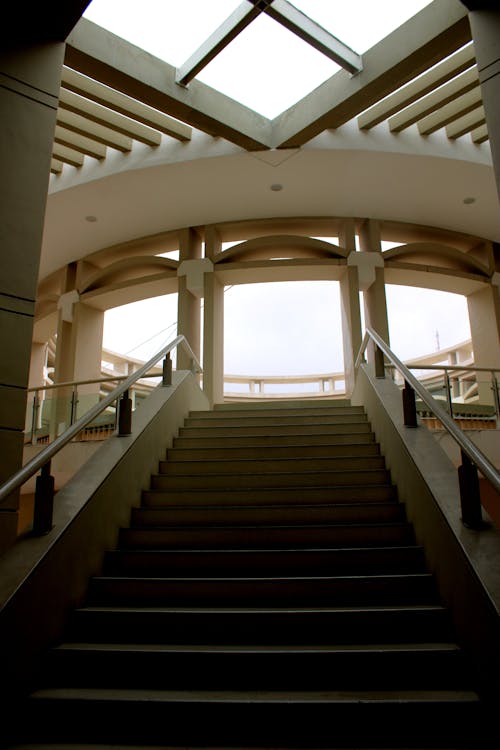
[
  {"x": 262, "y": 537},
  {"x": 274, "y": 441},
  {"x": 282, "y": 403},
  {"x": 343, "y": 561},
  {"x": 305, "y": 719},
  {"x": 303, "y": 413},
  {"x": 271, "y": 465},
  {"x": 260, "y": 625},
  {"x": 297, "y": 421},
  {"x": 290, "y": 479},
  {"x": 274, "y": 495},
  {"x": 215, "y": 667},
  {"x": 278, "y": 514},
  {"x": 311, "y": 591},
  {"x": 260, "y": 452},
  {"x": 275, "y": 429}
]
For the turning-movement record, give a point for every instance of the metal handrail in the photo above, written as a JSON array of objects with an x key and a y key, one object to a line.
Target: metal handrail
[
  {"x": 466, "y": 445},
  {"x": 37, "y": 462}
]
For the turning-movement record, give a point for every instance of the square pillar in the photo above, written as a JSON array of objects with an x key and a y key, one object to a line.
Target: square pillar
[
  {"x": 29, "y": 95},
  {"x": 188, "y": 305}
]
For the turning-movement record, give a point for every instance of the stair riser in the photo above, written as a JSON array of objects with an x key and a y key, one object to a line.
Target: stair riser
[
  {"x": 267, "y": 538},
  {"x": 275, "y": 430},
  {"x": 219, "y": 670},
  {"x": 355, "y": 513},
  {"x": 340, "y": 592},
  {"x": 263, "y": 421},
  {"x": 301, "y": 414},
  {"x": 270, "y": 466},
  {"x": 307, "y": 562},
  {"x": 288, "y": 496},
  {"x": 270, "y": 452},
  {"x": 307, "y": 724},
  {"x": 281, "y": 442},
  {"x": 279, "y": 627},
  {"x": 311, "y": 479}
]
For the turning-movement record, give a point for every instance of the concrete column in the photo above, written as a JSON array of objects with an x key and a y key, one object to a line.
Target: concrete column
[
  {"x": 188, "y": 305},
  {"x": 484, "y": 319},
  {"x": 78, "y": 353},
  {"x": 213, "y": 325},
  {"x": 349, "y": 306},
  {"x": 485, "y": 27},
  {"x": 373, "y": 282},
  {"x": 30, "y": 79}
]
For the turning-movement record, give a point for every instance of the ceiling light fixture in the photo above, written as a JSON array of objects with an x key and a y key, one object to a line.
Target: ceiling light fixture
[
  {"x": 92, "y": 219},
  {"x": 469, "y": 200},
  {"x": 276, "y": 187}
]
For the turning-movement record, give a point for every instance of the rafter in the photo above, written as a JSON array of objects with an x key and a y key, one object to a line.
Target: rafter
[
  {"x": 436, "y": 32},
  {"x": 110, "y": 60}
]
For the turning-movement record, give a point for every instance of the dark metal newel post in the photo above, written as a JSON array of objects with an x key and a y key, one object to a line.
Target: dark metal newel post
[
  {"x": 125, "y": 415},
  {"x": 167, "y": 370},
  {"x": 379, "y": 363},
  {"x": 409, "y": 406},
  {"x": 44, "y": 501},
  {"x": 470, "y": 496}
]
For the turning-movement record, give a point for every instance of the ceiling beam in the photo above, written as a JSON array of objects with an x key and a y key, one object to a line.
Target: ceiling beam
[
  {"x": 81, "y": 143},
  {"x": 124, "y": 105},
  {"x": 311, "y": 32},
  {"x": 103, "y": 124},
  {"x": 67, "y": 155},
  {"x": 437, "y": 31},
  {"x": 239, "y": 19},
  {"x": 424, "y": 84},
  {"x": 450, "y": 112},
  {"x": 480, "y": 135},
  {"x": 460, "y": 85},
  {"x": 466, "y": 124},
  {"x": 112, "y": 61}
]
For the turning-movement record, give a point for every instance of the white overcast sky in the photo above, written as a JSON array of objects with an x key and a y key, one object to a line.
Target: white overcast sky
[{"x": 292, "y": 328}]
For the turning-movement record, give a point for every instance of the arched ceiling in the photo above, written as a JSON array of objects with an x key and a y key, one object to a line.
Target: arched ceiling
[{"x": 135, "y": 153}]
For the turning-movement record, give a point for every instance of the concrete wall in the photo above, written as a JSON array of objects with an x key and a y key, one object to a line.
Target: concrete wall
[
  {"x": 464, "y": 562},
  {"x": 89, "y": 512}
]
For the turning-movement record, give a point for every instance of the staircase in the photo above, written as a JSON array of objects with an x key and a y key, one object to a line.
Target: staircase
[{"x": 268, "y": 593}]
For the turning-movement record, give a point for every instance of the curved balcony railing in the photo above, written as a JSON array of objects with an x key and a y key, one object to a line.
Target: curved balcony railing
[
  {"x": 472, "y": 458},
  {"x": 45, "y": 482}
]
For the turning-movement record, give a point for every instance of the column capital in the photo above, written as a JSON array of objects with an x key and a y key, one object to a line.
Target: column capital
[
  {"x": 194, "y": 271},
  {"x": 366, "y": 263},
  {"x": 66, "y": 303}
]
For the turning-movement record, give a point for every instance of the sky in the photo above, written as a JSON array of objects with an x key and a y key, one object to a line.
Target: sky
[{"x": 290, "y": 328}]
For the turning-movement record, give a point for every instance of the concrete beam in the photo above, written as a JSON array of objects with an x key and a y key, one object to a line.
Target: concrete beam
[
  {"x": 433, "y": 102},
  {"x": 239, "y": 19},
  {"x": 112, "y": 61},
  {"x": 466, "y": 124},
  {"x": 450, "y": 112},
  {"x": 311, "y": 32},
  {"x": 437, "y": 31},
  {"x": 106, "y": 136},
  {"x": 123, "y": 104},
  {"x": 80, "y": 143},
  {"x": 421, "y": 86}
]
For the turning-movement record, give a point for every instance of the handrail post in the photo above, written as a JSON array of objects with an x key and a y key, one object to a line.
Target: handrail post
[
  {"x": 379, "y": 363},
  {"x": 496, "y": 395},
  {"x": 409, "y": 406},
  {"x": 44, "y": 501},
  {"x": 34, "y": 417},
  {"x": 167, "y": 370},
  {"x": 448, "y": 392},
  {"x": 470, "y": 495},
  {"x": 125, "y": 415},
  {"x": 74, "y": 402}
]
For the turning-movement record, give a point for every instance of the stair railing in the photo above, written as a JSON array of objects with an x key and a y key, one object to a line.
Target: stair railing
[
  {"x": 472, "y": 458},
  {"x": 44, "y": 492}
]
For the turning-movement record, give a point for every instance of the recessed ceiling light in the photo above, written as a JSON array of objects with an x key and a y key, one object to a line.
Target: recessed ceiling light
[
  {"x": 91, "y": 218},
  {"x": 469, "y": 200},
  {"x": 276, "y": 187}
]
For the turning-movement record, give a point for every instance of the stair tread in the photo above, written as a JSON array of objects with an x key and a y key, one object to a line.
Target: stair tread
[
  {"x": 259, "y": 649},
  {"x": 266, "y": 579},
  {"x": 257, "y": 696}
]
